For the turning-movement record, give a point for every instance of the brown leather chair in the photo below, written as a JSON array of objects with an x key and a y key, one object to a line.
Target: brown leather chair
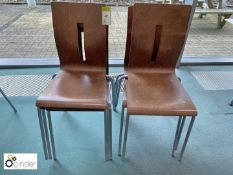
[
  {"x": 152, "y": 87},
  {"x": 81, "y": 83}
]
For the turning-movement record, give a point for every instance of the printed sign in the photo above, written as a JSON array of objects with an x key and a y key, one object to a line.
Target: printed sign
[{"x": 106, "y": 15}]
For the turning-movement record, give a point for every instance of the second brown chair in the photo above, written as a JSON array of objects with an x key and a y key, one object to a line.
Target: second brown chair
[{"x": 152, "y": 87}]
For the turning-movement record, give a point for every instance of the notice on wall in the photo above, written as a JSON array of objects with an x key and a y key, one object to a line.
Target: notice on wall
[{"x": 106, "y": 15}]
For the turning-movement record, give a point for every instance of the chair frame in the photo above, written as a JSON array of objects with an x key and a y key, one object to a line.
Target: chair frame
[
  {"x": 124, "y": 124},
  {"x": 45, "y": 121}
]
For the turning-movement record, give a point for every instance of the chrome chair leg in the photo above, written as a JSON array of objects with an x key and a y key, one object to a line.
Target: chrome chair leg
[
  {"x": 118, "y": 88},
  {"x": 125, "y": 136},
  {"x": 177, "y": 131},
  {"x": 118, "y": 76},
  {"x": 9, "y": 102},
  {"x": 180, "y": 131},
  {"x": 42, "y": 133},
  {"x": 114, "y": 92},
  {"x": 110, "y": 134},
  {"x": 46, "y": 134},
  {"x": 186, "y": 138},
  {"x": 121, "y": 129},
  {"x": 106, "y": 134},
  {"x": 117, "y": 81},
  {"x": 51, "y": 135},
  {"x": 109, "y": 78}
]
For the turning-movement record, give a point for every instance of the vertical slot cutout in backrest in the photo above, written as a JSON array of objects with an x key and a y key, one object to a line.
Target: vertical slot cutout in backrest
[
  {"x": 157, "y": 38},
  {"x": 81, "y": 48}
]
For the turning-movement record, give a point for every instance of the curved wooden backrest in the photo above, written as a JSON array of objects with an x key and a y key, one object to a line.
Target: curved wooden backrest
[
  {"x": 70, "y": 21},
  {"x": 158, "y": 34},
  {"x": 128, "y": 36}
]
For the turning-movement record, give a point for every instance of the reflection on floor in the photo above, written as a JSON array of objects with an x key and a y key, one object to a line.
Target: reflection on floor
[{"x": 79, "y": 135}]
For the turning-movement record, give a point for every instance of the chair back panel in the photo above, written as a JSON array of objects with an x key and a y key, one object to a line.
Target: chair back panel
[
  {"x": 70, "y": 22},
  {"x": 158, "y": 34}
]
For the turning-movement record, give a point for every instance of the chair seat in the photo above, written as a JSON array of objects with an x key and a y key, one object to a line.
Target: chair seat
[
  {"x": 73, "y": 89},
  {"x": 157, "y": 94}
]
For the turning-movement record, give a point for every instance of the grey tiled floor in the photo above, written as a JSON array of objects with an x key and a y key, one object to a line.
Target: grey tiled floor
[{"x": 28, "y": 33}]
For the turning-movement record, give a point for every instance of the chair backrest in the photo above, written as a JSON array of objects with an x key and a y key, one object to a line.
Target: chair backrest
[
  {"x": 128, "y": 36},
  {"x": 71, "y": 21},
  {"x": 158, "y": 34}
]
